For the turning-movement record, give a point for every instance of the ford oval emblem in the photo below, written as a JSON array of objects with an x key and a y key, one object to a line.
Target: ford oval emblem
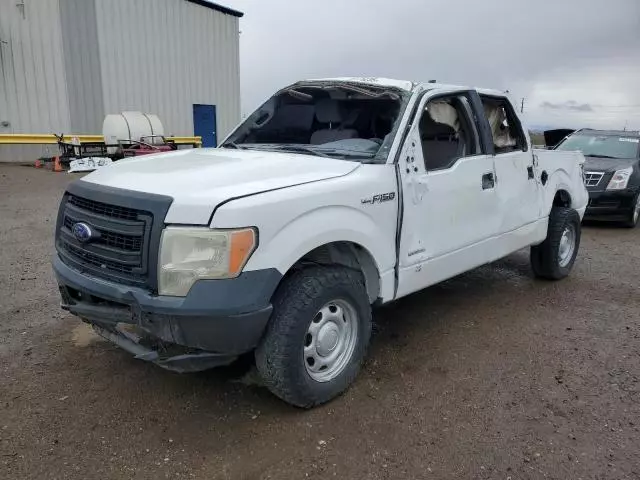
[{"x": 82, "y": 232}]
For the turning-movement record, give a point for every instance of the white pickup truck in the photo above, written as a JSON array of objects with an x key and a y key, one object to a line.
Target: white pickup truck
[{"x": 335, "y": 196}]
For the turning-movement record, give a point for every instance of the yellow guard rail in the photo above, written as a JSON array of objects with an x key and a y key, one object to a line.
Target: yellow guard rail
[{"x": 50, "y": 139}]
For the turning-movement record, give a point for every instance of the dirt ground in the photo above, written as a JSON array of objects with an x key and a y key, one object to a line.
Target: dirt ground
[{"x": 490, "y": 375}]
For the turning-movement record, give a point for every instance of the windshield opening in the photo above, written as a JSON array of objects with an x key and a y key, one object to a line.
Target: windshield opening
[
  {"x": 345, "y": 121},
  {"x": 594, "y": 144}
]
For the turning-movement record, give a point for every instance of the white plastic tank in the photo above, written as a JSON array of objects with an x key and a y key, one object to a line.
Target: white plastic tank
[{"x": 120, "y": 127}]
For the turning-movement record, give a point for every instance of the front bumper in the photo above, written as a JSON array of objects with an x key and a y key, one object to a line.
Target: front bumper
[
  {"x": 217, "y": 321},
  {"x": 612, "y": 205}
]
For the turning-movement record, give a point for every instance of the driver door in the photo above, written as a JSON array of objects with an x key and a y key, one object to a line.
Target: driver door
[{"x": 450, "y": 203}]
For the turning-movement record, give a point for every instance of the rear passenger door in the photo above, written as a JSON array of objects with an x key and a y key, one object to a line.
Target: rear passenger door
[
  {"x": 450, "y": 205},
  {"x": 516, "y": 176}
]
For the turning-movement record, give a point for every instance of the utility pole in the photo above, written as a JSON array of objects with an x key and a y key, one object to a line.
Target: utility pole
[{"x": 522, "y": 105}]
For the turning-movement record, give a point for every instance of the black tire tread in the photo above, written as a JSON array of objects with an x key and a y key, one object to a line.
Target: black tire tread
[
  {"x": 544, "y": 256},
  {"x": 290, "y": 307},
  {"x": 630, "y": 223}
]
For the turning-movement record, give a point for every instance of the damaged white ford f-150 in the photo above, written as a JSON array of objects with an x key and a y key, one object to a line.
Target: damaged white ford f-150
[{"x": 333, "y": 197}]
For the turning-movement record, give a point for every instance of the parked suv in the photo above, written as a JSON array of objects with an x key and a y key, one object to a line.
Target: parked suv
[
  {"x": 612, "y": 173},
  {"x": 333, "y": 197}
]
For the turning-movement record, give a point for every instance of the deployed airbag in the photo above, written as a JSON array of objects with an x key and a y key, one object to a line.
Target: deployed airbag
[
  {"x": 499, "y": 130},
  {"x": 443, "y": 112}
]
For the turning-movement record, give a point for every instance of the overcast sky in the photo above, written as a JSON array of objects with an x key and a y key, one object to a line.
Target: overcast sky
[{"x": 576, "y": 62}]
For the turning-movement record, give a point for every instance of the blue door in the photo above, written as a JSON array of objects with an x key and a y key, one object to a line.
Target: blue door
[{"x": 204, "y": 124}]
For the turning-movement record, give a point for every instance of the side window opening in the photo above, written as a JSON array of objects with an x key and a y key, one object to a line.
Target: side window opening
[
  {"x": 506, "y": 130},
  {"x": 447, "y": 133}
]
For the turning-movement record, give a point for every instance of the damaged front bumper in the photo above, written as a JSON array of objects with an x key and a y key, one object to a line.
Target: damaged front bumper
[
  {"x": 168, "y": 356},
  {"x": 215, "y": 323}
]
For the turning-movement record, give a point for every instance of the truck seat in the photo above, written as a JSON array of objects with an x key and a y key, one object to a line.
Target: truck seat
[
  {"x": 440, "y": 143},
  {"x": 328, "y": 112}
]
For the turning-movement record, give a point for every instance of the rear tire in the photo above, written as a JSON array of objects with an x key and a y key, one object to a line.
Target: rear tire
[
  {"x": 635, "y": 213},
  {"x": 317, "y": 336},
  {"x": 554, "y": 258}
]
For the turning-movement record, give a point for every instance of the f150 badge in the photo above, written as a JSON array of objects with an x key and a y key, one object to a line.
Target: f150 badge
[{"x": 379, "y": 198}]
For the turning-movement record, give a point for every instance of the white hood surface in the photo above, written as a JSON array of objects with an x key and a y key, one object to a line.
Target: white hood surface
[{"x": 201, "y": 179}]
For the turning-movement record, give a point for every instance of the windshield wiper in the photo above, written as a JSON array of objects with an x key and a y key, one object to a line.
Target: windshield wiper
[
  {"x": 599, "y": 156},
  {"x": 299, "y": 148},
  {"x": 232, "y": 145},
  {"x": 350, "y": 153}
]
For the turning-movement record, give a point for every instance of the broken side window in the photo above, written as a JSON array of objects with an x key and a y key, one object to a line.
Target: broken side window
[
  {"x": 447, "y": 132},
  {"x": 506, "y": 129}
]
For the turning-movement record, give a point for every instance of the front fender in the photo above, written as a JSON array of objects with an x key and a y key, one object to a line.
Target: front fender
[
  {"x": 292, "y": 222},
  {"x": 322, "y": 226}
]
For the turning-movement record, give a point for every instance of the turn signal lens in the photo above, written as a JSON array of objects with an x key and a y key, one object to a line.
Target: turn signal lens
[{"x": 242, "y": 244}]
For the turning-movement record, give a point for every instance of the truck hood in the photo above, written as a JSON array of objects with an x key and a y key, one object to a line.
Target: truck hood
[
  {"x": 599, "y": 164},
  {"x": 201, "y": 179}
]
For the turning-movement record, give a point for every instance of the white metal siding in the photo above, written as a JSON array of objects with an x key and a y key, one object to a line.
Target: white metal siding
[
  {"x": 82, "y": 65},
  {"x": 157, "y": 56},
  {"x": 163, "y": 56},
  {"x": 33, "y": 96}
]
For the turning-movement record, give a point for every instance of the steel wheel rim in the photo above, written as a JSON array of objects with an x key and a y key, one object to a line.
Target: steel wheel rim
[
  {"x": 330, "y": 340},
  {"x": 636, "y": 210},
  {"x": 567, "y": 245}
]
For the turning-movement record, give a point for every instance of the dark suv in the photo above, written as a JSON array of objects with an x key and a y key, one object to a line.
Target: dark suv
[{"x": 611, "y": 171}]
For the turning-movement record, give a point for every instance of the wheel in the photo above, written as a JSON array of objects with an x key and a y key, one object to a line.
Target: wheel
[
  {"x": 635, "y": 214},
  {"x": 554, "y": 258},
  {"x": 317, "y": 335}
]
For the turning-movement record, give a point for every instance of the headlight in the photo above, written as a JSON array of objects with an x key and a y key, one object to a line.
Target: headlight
[
  {"x": 190, "y": 254},
  {"x": 620, "y": 179}
]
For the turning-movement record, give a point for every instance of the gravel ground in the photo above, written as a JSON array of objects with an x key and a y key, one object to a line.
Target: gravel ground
[{"x": 490, "y": 375}]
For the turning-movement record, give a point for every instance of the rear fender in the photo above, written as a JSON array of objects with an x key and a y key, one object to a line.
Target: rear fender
[
  {"x": 563, "y": 172},
  {"x": 558, "y": 180}
]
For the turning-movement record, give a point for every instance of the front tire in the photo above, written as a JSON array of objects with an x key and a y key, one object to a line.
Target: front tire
[
  {"x": 554, "y": 258},
  {"x": 634, "y": 216},
  {"x": 317, "y": 336}
]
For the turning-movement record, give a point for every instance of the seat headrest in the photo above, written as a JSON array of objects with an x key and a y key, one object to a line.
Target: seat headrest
[
  {"x": 328, "y": 111},
  {"x": 293, "y": 116}
]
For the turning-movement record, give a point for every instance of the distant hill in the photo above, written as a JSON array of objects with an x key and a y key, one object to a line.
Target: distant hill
[
  {"x": 537, "y": 138},
  {"x": 540, "y": 128}
]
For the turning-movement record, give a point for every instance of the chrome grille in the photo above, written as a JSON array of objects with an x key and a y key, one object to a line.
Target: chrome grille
[{"x": 592, "y": 179}]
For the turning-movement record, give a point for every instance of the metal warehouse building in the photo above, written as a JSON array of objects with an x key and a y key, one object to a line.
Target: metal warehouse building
[{"x": 65, "y": 64}]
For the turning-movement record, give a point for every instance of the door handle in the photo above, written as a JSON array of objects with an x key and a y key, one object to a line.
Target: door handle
[
  {"x": 530, "y": 172},
  {"x": 488, "y": 181}
]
